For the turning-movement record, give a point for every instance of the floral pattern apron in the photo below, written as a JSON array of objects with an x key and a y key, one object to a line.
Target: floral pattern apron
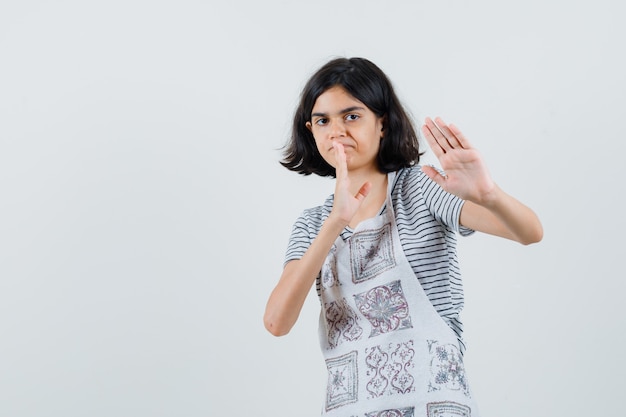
[{"x": 388, "y": 352}]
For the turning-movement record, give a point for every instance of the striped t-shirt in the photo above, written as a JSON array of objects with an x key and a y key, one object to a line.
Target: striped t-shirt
[{"x": 428, "y": 220}]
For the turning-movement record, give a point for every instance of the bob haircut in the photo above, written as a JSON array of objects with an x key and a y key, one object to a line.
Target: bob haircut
[{"x": 367, "y": 83}]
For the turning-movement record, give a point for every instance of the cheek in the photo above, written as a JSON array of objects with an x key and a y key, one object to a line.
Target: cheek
[
  {"x": 319, "y": 147},
  {"x": 326, "y": 154},
  {"x": 374, "y": 144}
]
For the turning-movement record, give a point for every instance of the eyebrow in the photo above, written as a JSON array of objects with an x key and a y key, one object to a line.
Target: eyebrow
[{"x": 347, "y": 110}]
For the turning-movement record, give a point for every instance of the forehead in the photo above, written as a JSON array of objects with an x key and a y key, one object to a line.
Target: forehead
[{"x": 334, "y": 99}]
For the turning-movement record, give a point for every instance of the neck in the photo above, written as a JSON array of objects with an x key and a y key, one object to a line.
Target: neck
[
  {"x": 374, "y": 200},
  {"x": 376, "y": 178}
]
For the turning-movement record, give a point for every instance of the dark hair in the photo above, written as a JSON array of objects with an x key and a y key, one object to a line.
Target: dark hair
[{"x": 368, "y": 84}]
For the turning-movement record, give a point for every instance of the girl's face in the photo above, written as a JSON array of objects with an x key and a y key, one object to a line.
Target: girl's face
[{"x": 339, "y": 117}]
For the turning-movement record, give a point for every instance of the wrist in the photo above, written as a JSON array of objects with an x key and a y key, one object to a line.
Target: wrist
[
  {"x": 490, "y": 199},
  {"x": 335, "y": 222}
]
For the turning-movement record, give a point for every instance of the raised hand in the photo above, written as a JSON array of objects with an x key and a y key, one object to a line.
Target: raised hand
[
  {"x": 465, "y": 173},
  {"x": 346, "y": 204}
]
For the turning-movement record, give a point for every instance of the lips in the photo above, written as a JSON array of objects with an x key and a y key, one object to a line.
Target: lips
[{"x": 345, "y": 145}]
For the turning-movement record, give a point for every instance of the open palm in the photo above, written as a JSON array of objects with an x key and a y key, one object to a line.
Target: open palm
[{"x": 464, "y": 171}]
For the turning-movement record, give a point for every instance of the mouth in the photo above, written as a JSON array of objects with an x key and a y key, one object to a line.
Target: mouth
[{"x": 346, "y": 146}]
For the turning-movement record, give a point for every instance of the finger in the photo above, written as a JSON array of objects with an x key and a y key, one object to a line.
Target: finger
[
  {"x": 465, "y": 143},
  {"x": 432, "y": 141},
  {"x": 445, "y": 130},
  {"x": 363, "y": 191},
  {"x": 434, "y": 175},
  {"x": 438, "y": 135},
  {"x": 341, "y": 170}
]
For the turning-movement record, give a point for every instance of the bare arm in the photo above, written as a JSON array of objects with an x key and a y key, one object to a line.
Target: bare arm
[
  {"x": 287, "y": 298},
  {"x": 487, "y": 208},
  {"x": 505, "y": 217}
]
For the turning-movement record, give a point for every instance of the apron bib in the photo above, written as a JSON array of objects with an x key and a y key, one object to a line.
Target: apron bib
[{"x": 388, "y": 352}]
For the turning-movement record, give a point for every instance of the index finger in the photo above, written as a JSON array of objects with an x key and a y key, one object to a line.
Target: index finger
[{"x": 341, "y": 170}]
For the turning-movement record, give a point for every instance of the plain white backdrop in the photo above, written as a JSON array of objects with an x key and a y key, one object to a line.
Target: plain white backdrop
[{"x": 144, "y": 214}]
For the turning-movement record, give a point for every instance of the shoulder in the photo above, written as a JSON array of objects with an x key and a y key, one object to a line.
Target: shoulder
[
  {"x": 408, "y": 182},
  {"x": 411, "y": 175},
  {"x": 305, "y": 229},
  {"x": 415, "y": 194},
  {"x": 312, "y": 218},
  {"x": 412, "y": 180}
]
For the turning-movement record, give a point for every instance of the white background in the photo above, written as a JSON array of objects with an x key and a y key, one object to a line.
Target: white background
[{"x": 144, "y": 215}]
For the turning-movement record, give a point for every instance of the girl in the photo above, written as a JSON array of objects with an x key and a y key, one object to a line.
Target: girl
[{"x": 382, "y": 248}]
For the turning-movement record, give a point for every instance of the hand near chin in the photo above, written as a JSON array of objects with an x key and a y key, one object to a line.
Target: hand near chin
[
  {"x": 346, "y": 204},
  {"x": 464, "y": 171}
]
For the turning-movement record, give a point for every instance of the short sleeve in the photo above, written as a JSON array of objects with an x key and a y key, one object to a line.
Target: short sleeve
[
  {"x": 304, "y": 230},
  {"x": 299, "y": 240},
  {"x": 445, "y": 207}
]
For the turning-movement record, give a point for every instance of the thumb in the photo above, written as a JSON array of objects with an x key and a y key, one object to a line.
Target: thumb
[
  {"x": 434, "y": 175},
  {"x": 363, "y": 191}
]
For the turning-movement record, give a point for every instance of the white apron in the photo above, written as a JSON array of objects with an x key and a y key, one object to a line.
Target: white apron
[{"x": 388, "y": 352}]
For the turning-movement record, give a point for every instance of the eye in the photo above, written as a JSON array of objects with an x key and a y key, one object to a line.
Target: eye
[
  {"x": 352, "y": 117},
  {"x": 321, "y": 121}
]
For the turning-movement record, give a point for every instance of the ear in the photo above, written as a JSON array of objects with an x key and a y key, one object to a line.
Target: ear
[
  {"x": 308, "y": 126},
  {"x": 383, "y": 125}
]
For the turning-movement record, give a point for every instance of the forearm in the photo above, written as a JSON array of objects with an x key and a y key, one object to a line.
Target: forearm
[
  {"x": 287, "y": 298},
  {"x": 503, "y": 215}
]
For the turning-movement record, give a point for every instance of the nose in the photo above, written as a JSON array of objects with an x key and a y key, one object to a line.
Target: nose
[{"x": 337, "y": 129}]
